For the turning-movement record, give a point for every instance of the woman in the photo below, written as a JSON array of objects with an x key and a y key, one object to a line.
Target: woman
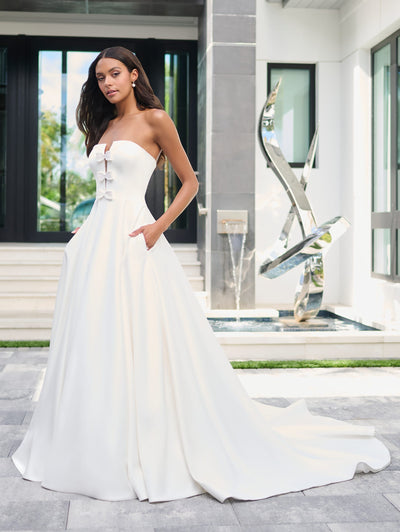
[{"x": 139, "y": 399}]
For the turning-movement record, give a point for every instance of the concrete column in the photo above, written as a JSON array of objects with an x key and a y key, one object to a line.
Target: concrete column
[{"x": 227, "y": 136}]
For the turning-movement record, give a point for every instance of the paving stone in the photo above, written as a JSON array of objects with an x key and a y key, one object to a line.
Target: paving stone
[
  {"x": 394, "y": 498},
  {"x": 7, "y": 468},
  {"x": 274, "y": 401},
  {"x": 9, "y": 436},
  {"x": 24, "y": 403},
  {"x": 388, "y": 526},
  {"x": 27, "y": 418},
  {"x": 18, "y": 488},
  {"x": 33, "y": 515},
  {"x": 394, "y": 439},
  {"x": 5, "y": 354},
  {"x": 101, "y": 529},
  {"x": 347, "y": 408},
  {"x": 382, "y": 481},
  {"x": 12, "y": 417},
  {"x": 198, "y": 510},
  {"x": 34, "y": 359},
  {"x": 360, "y": 508},
  {"x": 252, "y": 528}
]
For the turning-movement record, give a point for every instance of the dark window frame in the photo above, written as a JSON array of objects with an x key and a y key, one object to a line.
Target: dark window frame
[
  {"x": 22, "y": 131},
  {"x": 311, "y": 68},
  {"x": 387, "y": 220}
]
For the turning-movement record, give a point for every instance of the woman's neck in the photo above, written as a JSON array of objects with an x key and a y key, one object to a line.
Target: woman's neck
[{"x": 126, "y": 107}]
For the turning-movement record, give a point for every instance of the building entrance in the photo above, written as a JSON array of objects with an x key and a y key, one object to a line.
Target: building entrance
[{"x": 46, "y": 189}]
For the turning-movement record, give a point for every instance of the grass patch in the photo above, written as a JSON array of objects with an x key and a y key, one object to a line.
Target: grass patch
[
  {"x": 24, "y": 343},
  {"x": 337, "y": 363},
  {"x": 260, "y": 364}
]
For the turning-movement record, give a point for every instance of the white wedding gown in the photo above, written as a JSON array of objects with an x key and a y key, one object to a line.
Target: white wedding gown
[{"x": 139, "y": 399}]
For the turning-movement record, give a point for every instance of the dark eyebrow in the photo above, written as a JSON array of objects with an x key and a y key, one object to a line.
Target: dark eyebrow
[{"x": 110, "y": 70}]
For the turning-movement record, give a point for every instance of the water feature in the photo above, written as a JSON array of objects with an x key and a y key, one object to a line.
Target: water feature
[
  {"x": 235, "y": 230},
  {"x": 326, "y": 321}
]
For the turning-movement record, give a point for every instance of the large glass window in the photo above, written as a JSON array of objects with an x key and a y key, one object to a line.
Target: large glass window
[
  {"x": 3, "y": 135},
  {"x": 176, "y": 102},
  {"x": 66, "y": 188},
  {"x": 385, "y": 219},
  {"x": 381, "y": 130},
  {"x": 52, "y": 190},
  {"x": 294, "y": 109}
]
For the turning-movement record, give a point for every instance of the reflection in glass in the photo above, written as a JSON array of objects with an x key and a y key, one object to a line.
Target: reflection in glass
[
  {"x": 398, "y": 252},
  {"x": 176, "y": 103},
  {"x": 398, "y": 126},
  {"x": 381, "y": 130},
  {"x": 381, "y": 251},
  {"x": 3, "y": 132},
  {"x": 64, "y": 182},
  {"x": 292, "y": 112}
]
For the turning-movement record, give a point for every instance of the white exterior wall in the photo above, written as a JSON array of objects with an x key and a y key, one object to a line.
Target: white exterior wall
[
  {"x": 300, "y": 36},
  {"x": 339, "y": 42},
  {"x": 363, "y": 25},
  {"x": 112, "y": 26}
]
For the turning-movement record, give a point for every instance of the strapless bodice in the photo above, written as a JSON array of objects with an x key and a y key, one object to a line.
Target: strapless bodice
[{"x": 122, "y": 172}]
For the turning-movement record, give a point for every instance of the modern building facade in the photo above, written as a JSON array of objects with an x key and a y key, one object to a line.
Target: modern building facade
[{"x": 212, "y": 63}]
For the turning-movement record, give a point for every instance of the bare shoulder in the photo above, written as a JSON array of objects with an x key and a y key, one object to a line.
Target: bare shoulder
[{"x": 157, "y": 117}]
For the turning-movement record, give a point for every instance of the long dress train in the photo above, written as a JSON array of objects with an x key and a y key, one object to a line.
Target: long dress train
[{"x": 139, "y": 399}]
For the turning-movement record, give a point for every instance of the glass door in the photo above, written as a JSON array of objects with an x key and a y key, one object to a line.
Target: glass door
[
  {"x": 52, "y": 190},
  {"x": 65, "y": 187}
]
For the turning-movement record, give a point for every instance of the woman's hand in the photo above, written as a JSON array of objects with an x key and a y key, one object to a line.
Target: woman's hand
[
  {"x": 75, "y": 230},
  {"x": 151, "y": 233}
]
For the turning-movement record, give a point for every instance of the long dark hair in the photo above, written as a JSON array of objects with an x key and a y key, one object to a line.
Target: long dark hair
[{"x": 94, "y": 111}]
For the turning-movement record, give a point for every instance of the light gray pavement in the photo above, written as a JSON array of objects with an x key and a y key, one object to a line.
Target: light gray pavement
[{"x": 369, "y": 502}]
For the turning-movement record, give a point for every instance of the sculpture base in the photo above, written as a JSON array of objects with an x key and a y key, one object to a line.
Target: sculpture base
[{"x": 308, "y": 324}]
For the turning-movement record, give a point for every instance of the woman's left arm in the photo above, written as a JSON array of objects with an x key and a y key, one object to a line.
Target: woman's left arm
[{"x": 166, "y": 136}]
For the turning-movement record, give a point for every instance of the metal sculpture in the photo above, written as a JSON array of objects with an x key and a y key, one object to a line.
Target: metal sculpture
[{"x": 315, "y": 239}]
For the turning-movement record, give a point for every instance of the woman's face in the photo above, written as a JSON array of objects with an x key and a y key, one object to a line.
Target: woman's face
[{"x": 114, "y": 79}]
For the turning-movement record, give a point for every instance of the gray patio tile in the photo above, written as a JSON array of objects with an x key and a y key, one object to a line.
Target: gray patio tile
[
  {"x": 9, "y": 436},
  {"x": 33, "y": 515},
  {"x": 382, "y": 481},
  {"x": 32, "y": 358},
  {"x": 394, "y": 439},
  {"x": 101, "y": 529},
  {"x": 388, "y": 526},
  {"x": 27, "y": 418},
  {"x": 252, "y": 528},
  {"x": 6, "y": 354},
  {"x": 347, "y": 408},
  {"x": 12, "y": 417},
  {"x": 7, "y": 468},
  {"x": 197, "y": 510},
  {"x": 319, "y": 509},
  {"x": 394, "y": 498},
  {"x": 23, "y": 403},
  {"x": 18, "y": 488},
  {"x": 273, "y": 401}
]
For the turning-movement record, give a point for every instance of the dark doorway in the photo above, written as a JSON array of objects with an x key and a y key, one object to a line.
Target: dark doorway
[{"x": 45, "y": 186}]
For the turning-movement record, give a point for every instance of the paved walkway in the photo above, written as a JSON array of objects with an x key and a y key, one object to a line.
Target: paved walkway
[{"x": 367, "y": 503}]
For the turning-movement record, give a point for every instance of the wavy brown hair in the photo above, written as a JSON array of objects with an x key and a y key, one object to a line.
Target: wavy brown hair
[{"x": 94, "y": 111}]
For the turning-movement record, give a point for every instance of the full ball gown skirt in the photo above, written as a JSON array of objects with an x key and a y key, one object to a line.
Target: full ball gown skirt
[{"x": 139, "y": 399}]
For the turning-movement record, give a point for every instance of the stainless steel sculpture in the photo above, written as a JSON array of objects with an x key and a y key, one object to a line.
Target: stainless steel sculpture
[{"x": 315, "y": 239}]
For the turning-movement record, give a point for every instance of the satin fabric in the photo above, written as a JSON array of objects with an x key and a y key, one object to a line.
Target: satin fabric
[{"x": 139, "y": 399}]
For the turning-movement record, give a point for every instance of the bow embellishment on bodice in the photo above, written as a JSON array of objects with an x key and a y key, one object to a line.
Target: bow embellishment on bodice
[
  {"x": 105, "y": 176},
  {"x": 100, "y": 157},
  {"x": 107, "y": 194}
]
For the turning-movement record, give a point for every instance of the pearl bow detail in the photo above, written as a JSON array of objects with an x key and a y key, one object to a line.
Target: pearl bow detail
[
  {"x": 105, "y": 175},
  {"x": 103, "y": 156},
  {"x": 107, "y": 194}
]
